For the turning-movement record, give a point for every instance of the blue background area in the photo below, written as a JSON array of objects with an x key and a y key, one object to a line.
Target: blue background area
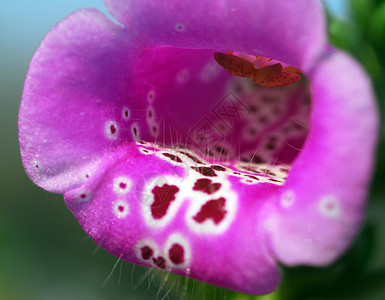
[{"x": 337, "y": 7}]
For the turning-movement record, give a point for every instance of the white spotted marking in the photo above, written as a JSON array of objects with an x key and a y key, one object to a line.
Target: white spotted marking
[
  {"x": 270, "y": 224},
  {"x": 145, "y": 151},
  {"x": 210, "y": 72},
  {"x": 148, "y": 199},
  {"x": 86, "y": 175},
  {"x": 121, "y": 208},
  {"x": 177, "y": 238},
  {"x": 151, "y": 96},
  {"x": 157, "y": 251},
  {"x": 179, "y": 27},
  {"x": 111, "y": 129},
  {"x": 122, "y": 185},
  {"x": 126, "y": 113},
  {"x": 135, "y": 132},
  {"x": 208, "y": 226},
  {"x": 150, "y": 113},
  {"x": 183, "y": 76},
  {"x": 249, "y": 181},
  {"x": 36, "y": 165},
  {"x": 83, "y": 196},
  {"x": 154, "y": 129},
  {"x": 287, "y": 199},
  {"x": 329, "y": 206},
  {"x": 152, "y": 245}
]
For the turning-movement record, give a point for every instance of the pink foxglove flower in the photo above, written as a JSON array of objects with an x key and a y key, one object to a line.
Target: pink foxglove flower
[{"x": 167, "y": 160}]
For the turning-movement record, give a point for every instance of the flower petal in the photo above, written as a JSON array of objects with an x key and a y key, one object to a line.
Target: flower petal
[
  {"x": 215, "y": 220},
  {"x": 290, "y": 31},
  {"x": 69, "y": 116},
  {"x": 322, "y": 203}
]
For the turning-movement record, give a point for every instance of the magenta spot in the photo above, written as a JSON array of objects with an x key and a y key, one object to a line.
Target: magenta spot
[
  {"x": 146, "y": 252},
  {"x": 172, "y": 157},
  {"x": 154, "y": 129},
  {"x": 121, "y": 208},
  {"x": 206, "y": 171},
  {"x": 83, "y": 196},
  {"x": 135, "y": 130},
  {"x": 176, "y": 254},
  {"x": 112, "y": 129},
  {"x": 163, "y": 197},
  {"x": 126, "y": 113},
  {"x": 213, "y": 209},
  {"x": 122, "y": 185},
  {"x": 37, "y": 166},
  {"x": 87, "y": 176},
  {"x": 206, "y": 186},
  {"x": 160, "y": 262}
]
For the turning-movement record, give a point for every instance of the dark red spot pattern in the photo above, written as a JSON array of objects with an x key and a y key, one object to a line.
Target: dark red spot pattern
[
  {"x": 251, "y": 176},
  {"x": 122, "y": 185},
  {"x": 176, "y": 254},
  {"x": 218, "y": 168},
  {"x": 146, "y": 252},
  {"x": 192, "y": 157},
  {"x": 213, "y": 209},
  {"x": 113, "y": 129},
  {"x": 163, "y": 196},
  {"x": 274, "y": 180},
  {"x": 206, "y": 186},
  {"x": 206, "y": 171},
  {"x": 172, "y": 157},
  {"x": 268, "y": 172},
  {"x": 121, "y": 208},
  {"x": 160, "y": 262}
]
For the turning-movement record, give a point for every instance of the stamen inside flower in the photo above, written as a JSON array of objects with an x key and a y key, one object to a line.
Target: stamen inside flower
[{"x": 263, "y": 70}]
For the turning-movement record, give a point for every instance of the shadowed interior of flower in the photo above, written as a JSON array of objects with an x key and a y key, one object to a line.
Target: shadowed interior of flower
[{"x": 195, "y": 104}]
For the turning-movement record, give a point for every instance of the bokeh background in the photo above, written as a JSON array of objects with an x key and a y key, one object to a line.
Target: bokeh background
[{"x": 44, "y": 253}]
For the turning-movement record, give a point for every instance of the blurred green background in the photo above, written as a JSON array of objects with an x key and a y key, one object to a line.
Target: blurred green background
[{"x": 44, "y": 253}]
